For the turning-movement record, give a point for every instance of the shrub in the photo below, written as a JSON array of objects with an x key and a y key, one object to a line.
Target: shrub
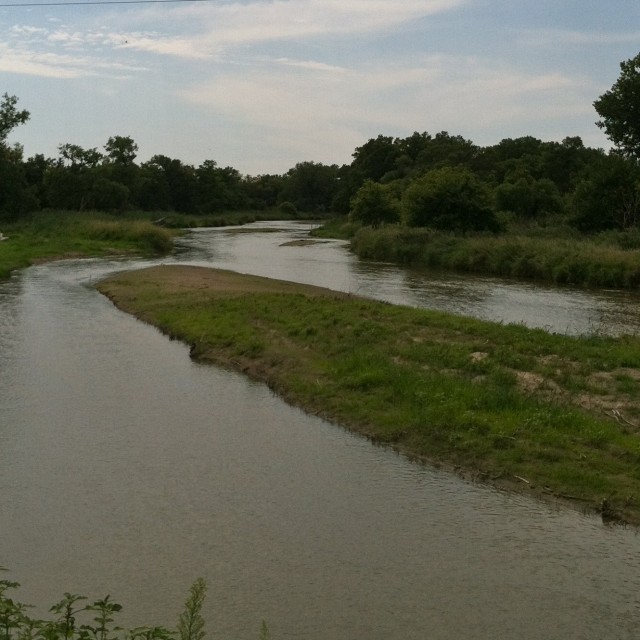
[
  {"x": 374, "y": 205},
  {"x": 450, "y": 198}
]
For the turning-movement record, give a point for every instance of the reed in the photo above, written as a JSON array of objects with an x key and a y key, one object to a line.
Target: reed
[
  {"x": 48, "y": 235},
  {"x": 610, "y": 260}
]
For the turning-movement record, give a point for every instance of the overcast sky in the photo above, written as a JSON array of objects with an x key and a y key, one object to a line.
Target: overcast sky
[{"x": 263, "y": 84}]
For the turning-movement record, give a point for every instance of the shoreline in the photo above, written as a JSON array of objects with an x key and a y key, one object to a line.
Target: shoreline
[{"x": 224, "y": 317}]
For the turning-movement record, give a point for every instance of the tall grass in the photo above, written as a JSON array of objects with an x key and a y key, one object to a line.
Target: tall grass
[
  {"x": 610, "y": 260},
  {"x": 47, "y": 235}
]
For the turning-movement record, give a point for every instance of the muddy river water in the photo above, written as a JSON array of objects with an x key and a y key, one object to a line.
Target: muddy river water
[{"x": 125, "y": 468}]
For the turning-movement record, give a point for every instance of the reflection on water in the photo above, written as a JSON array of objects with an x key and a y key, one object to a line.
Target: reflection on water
[{"x": 125, "y": 468}]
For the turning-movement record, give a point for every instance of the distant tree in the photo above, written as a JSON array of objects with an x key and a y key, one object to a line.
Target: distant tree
[
  {"x": 152, "y": 190},
  {"x": 15, "y": 196},
  {"x": 527, "y": 197},
  {"x": 176, "y": 179},
  {"x": 219, "y": 188},
  {"x": 450, "y": 198},
  {"x": 263, "y": 191},
  {"x": 77, "y": 158},
  {"x": 445, "y": 149},
  {"x": 121, "y": 150},
  {"x": 10, "y": 116},
  {"x": 509, "y": 155},
  {"x": 375, "y": 158},
  {"x": 619, "y": 109},
  {"x": 108, "y": 195},
  {"x": 563, "y": 162},
  {"x": 375, "y": 204},
  {"x": 608, "y": 196},
  {"x": 311, "y": 186},
  {"x": 69, "y": 183},
  {"x": 35, "y": 169}
]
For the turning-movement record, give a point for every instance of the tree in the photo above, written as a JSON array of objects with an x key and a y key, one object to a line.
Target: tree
[
  {"x": 608, "y": 196},
  {"x": 527, "y": 197},
  {"x": 375, "y": 158},
  {"x": 374, "y": 204},
  {"x": 15, "y": 197},
  {"x": 77, "y": 158},
  {"x": 263, "y": 191},
  {"x": 450, "y": 198},
  {"x": 121, "y": 150},
  {"x": 311, "y": 186},
  {"x": 10, "y": 117},
  {"x": 619, "y": 109},
  {"x": 175, "y": 180}
]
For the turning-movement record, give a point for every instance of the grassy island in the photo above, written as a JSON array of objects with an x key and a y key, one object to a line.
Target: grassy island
[{"x": 545, "y": 414}]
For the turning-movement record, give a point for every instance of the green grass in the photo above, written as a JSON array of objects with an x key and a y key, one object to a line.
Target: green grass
[
  {"x": 502, "y": 401},
  {"x": 47, "y": 235}
]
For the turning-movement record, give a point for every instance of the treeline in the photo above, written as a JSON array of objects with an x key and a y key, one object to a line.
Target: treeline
[
  {"x": 389, "y": 180},
  {"x": 442, "y": 181},
  {"x": 446, "y": 182}
]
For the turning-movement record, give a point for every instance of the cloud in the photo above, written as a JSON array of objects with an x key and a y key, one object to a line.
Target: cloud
[
  {"x": 211, "y": 30},
  {"x": 262, "y": 21},
  {"x": 219, "y": 27},
  {"x": 27, "y": 61},
  {"x": 312, "y": 65},
  {"x": 305, "y": 106},
  {"x": 44, "y": 65},
  {"x": 559, "y": 37}
]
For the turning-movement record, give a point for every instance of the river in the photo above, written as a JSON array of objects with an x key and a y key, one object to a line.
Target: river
[{"x": 126, "y": 468}]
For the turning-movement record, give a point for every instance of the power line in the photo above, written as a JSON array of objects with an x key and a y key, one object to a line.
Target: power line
[{"x": 87, "y": 3}]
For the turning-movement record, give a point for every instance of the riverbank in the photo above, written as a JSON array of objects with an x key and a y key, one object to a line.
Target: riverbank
[
  {"x": 48, "y": 235},
  {"x": 549, "y": 415},
  {"x": 553, "y": 255}
]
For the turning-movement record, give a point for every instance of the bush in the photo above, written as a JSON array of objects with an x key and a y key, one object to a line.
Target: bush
[
  {"x": 288, "y": 208},
  {"x": 450, "y": 199},
  {"x": 374, "y": 205}
]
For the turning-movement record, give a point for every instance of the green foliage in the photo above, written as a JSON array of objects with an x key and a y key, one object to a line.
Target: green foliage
[
  {"x": 525, "y": 177},
  {"x": 108, "y": 195},
  {"x": 74, "y": 619},
  {"x": 264, "y": 632},
  {"x": 618, "y": 109},
  {"x": 311, "y": 186},
  {"x": 55, "y": 234},
  {"x": 608, "y": 196},
  {"x": 528, "y": 197},
  {"x": 288, "y": 208},
  {"x": 601, "y": 261},
  {"x": 16, "y": 198},
  {"x": 374, "y": 205},
  {"x": 10, "y": 116},
  {"x": 191, "y": 622},
  {"x": 121, "y": 150},
  {"x": 450, "y": 199}
]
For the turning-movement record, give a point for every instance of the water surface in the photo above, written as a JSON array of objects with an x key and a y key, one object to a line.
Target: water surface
[{"x": 125, "y": 468}]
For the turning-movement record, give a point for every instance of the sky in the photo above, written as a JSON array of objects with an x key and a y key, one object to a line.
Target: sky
[{"x": 261, "y": 85}]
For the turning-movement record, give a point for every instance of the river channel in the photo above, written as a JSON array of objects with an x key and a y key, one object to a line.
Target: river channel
[{"x": 128, "y": 469}]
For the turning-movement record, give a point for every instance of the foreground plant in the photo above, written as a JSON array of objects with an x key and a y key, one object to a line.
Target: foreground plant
[{"x": 99, "y": 619}]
